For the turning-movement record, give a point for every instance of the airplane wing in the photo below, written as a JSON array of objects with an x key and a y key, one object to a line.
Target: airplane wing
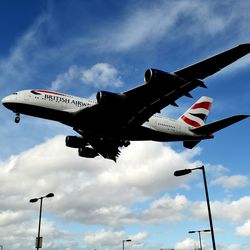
[
  {"x": 156, "y": 94},
  {"x": 115, "y": 113},
  {"x": 213, "y": 64}
]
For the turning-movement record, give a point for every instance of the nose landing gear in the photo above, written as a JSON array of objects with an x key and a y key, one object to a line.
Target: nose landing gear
[{"x": 17, "y": 118}]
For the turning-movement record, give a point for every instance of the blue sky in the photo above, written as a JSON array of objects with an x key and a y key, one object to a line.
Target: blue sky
[{"x": 81, "y": 47}]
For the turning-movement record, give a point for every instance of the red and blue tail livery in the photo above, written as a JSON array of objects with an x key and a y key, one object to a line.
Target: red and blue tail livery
[{"x": 198, "y": 113}]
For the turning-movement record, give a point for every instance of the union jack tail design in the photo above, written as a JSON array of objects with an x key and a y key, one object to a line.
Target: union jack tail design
[{"x": 197, "y": 114}]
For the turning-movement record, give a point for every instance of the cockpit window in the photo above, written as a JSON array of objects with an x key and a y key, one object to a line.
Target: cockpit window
[
  {"x": 14, "y": 93},
  {"x": 35, "y": 92}
]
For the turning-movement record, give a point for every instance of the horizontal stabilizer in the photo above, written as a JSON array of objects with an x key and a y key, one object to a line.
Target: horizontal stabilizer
[
  {"x": 190, "y": 144},
  {"x": 216, "y": 126}
]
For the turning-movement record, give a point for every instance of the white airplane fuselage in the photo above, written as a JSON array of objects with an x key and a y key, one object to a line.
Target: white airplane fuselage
[{"x": 61, "y": 107}]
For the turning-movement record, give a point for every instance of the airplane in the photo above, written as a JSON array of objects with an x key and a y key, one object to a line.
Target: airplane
[{"x": 114, "y": 119}]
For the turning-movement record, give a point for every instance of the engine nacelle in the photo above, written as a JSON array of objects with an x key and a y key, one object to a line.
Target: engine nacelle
[
  {"x": 75, "y": 142},
  {"x": 105, "y": 97},
  {"x": 87, "y": 152},
  {"x": 158, "y": 76}
]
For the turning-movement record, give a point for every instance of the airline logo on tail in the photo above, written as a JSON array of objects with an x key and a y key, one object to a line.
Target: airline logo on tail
[{"x": 197, "y": 114}]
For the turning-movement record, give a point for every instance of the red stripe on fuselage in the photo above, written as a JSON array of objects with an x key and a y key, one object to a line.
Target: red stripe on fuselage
[
  {"x": 202, "y": 105},
  {"x": 190, "y": 122},
  {"x": 48, "y": 92}
]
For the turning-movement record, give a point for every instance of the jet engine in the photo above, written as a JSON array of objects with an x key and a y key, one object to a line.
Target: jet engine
[
  {"x": 87, "y": 152},
  {"x": 158, "y": 76},
  {"x": 75, "y": 142},
  {"x": 105, "y": 97}
]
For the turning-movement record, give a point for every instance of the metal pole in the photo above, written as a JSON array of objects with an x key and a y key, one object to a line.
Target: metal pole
[
  {"x": 39, "y": 223},
  {"x": 208, "y": 208},
  {"x": 199, "y": 232},
  {"x": 200, "y": 239},
  {"x": 39, "y": 239}
]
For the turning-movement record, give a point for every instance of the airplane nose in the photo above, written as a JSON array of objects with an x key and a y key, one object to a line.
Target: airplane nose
[
  {"x": 5, "y": 100},
  {"x": 8, "y": 100}
]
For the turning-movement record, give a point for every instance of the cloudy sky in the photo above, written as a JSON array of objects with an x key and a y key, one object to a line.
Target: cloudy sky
[{"x": 81, "y": 47}]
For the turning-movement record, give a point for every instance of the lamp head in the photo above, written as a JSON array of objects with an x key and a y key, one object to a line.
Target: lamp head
[
  {"x": 207, "y": 230},
  {"x": 128, "y": 240},
  {"x": 49, "y": 195},
  {"x": 34, "y": 200},
  {"x": 182, "y": 172}
]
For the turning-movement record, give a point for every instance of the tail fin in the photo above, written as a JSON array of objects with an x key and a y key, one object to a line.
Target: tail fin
[{"x": 196, "y": 115}]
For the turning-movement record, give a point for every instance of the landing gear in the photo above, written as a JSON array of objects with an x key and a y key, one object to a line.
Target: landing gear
[
  {"x": 17, "y": 118},
  {"x": 124, "y": 143}
]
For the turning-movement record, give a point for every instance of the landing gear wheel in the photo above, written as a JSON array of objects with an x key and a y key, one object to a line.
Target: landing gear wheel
[{"x": 17, "y": 118}]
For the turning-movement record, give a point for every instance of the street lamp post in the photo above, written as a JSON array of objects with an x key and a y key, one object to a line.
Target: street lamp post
[
  {"x": 125, "y": 241},
  {"x": 199, "y": 232},
  {"x": 39, "y": 239},
  {"x": 188, "y": 171}
]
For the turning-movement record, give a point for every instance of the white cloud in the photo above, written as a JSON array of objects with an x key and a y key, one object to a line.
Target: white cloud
[
  {"x": 105, "y": 238},
  {"x": 165, "y": 209},
  {"x": 8, "y": 217},
  {"x": 147, "y": 25},
  {"x": 233, "y": 247},
  {"x": 108, "y": 239},
  {"x": 100, "y": 192},
  {"x": 100, "y": 75},
  {"x": 95, "y": 187},
  {"x": 235, "y": 211},
  {"x": 230, "y": 182},
  {"x": 187, "y": 244},
  {"x": 72, "y": 76},
  {"x": 21, "y": 235},
  {"x": 89, "y": 191},
  {"x": 138, "y": 238},
  {"x": 244, "y": 230}
]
